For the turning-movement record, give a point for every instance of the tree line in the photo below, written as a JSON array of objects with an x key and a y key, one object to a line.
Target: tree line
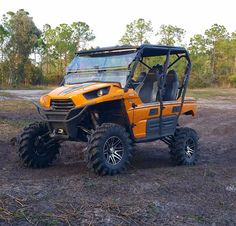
[{"x": 30, "y": 56}]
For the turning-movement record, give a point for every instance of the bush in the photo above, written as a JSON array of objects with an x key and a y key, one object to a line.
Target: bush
[
  {"x": 199, "y": 81},
  {"x": 232, "y": 79}
]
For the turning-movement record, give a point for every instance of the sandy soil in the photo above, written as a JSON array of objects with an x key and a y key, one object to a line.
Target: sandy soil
[{"x": 151, "y": 192}]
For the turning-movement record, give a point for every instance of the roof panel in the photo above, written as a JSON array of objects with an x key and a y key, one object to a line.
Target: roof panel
[
  {"x": 158, "y": 50},
  {"x": 148, "y": 50},
  {"x": 125, "y": 48}
]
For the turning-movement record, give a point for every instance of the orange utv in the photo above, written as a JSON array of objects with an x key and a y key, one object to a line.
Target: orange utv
[{"x": 112, "y": 98}]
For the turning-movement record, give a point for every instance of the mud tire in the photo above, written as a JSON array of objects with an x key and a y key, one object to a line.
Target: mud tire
[
  {"x": 98, "y": 156},
  {"x": 36, "y": 153}
]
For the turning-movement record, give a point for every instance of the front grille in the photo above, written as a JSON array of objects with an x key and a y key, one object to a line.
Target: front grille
[{"x": 62, "y": 105}]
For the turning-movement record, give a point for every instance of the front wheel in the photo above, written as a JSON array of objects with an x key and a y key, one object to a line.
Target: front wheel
[
  {"x": 109, "y": 149},
  {"x": 184, "y": 149},
  {"x": 36, "y": 148}
]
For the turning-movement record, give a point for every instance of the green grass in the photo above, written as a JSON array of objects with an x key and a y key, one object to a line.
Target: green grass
[
  {"x": 200, "y": 219},
  {"x": 211, "y": 92},
  {"x": 18, "y": 124},
  {"x": 16, "y": 105}
]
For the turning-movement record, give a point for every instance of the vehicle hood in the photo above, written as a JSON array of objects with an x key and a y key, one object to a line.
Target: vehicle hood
[
  {"x": 77, "y": 92},
  {"x": 67, "y": 91}
]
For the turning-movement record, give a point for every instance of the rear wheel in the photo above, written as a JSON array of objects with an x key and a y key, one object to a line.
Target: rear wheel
[
  {"x": 36, "y": 148},
  {"x": 184, "y": 149},
  {"x": 109, "y": 149}
]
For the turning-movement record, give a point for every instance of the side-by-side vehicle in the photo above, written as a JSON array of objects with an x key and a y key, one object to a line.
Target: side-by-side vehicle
[{"x": 112, "y": 98}]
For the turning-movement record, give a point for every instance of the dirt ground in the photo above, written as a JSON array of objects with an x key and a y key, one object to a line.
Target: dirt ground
[{"x": 151, "y": 192}]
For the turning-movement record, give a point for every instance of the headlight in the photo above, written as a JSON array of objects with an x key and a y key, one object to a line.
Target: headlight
[
  {"x": 100, "y": 92},
  {"x": 97, "y": 93},
  {"x": 45, "y": 101}
]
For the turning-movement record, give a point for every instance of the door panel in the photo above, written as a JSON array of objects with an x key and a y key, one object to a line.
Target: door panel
[
  {"x": 141, "y": 115},
  {"x": 168, "y": 126},
  {"x": 147, "y": 122}
]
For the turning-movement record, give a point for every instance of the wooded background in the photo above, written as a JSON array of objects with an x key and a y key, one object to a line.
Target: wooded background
[{"x": 30, "y": 56}]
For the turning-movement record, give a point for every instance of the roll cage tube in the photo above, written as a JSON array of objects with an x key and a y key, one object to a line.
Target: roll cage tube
[
  {"x": 161, "y": 78},
  {"x": 145, "y": 64},
  {"x": 185, "y": 79},
  {"x": 136, "y": 61},
  {"x": 186, "y": 73}
]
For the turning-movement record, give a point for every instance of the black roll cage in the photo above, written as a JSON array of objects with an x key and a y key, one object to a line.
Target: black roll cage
[{"x": 167, "y": 65}]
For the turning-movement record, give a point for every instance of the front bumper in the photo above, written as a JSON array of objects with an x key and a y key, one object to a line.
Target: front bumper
[{"x": 62, "y": 124}]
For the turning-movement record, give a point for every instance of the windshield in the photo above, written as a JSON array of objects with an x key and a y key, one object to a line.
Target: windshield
[{"x": 99, "y": 68}]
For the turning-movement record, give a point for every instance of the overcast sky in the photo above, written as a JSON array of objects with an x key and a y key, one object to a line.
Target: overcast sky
[{"x": 108, "y": 18}]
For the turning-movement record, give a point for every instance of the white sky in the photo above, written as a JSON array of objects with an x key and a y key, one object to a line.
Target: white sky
[{"x": 108, "y": 18}]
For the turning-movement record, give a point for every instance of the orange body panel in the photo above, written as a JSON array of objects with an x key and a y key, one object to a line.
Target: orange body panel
[
  {"x": 75, "y": 93},
  {"x": 141, "y": 114},
  {"x": 137, "y": 115}
]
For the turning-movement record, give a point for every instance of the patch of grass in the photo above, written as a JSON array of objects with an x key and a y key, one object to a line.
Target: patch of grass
[
  {"x": 7, "y": 130},
  {"x": 16, "y": 209},
  {"x": 36, "y": 218},
  {"x": 211, "y": 92},
  {"x": 16, "y": 105},
  {"x": 199, "y": 218},
  {"x": 18, "y": 214},
  {"x": 15, "y": 123},
  {"x": 11, "y": 128}
]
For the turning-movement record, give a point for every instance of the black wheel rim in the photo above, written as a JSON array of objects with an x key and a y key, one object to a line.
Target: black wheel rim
[
  {"x": 190, "y": 148},
  {"x": 113, "y": 150}
]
